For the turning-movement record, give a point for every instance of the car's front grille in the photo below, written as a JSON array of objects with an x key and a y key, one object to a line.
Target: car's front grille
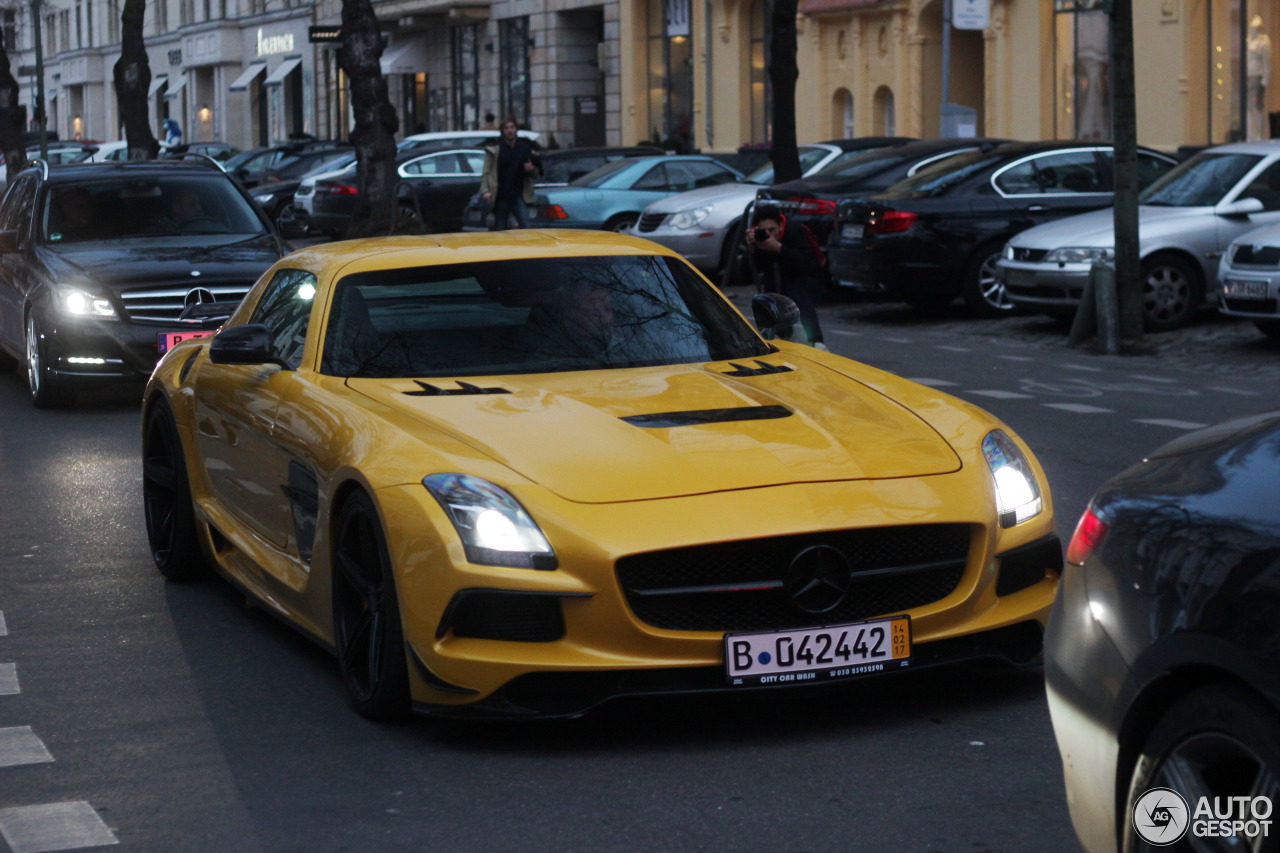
[
  {"x": 651, "y": 221},
  {"x": 739, "y": 586},
  {"x": 1029, "y": 256},
  {"x": 1256, "y": 256},
  {"x": 165, "y": 305}
]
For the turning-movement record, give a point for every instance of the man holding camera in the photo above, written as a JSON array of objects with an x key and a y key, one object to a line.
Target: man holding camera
[
  {"x": 789, "y": 261},
  {"x": 510, "y": 166}
]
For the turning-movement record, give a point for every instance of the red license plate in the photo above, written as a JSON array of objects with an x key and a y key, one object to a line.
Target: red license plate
[{"x": 166, "y": 341}]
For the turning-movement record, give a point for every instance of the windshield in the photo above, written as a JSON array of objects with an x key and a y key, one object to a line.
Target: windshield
[
  {"x": 541, "y": 315},
  {"x": 596, "y": 177},
  {"x": 810, "y": 156},
  {"x": 125, "y": 208},
  {"x": 1201, "y": 181},
  {"x": 937, "y": 178}
]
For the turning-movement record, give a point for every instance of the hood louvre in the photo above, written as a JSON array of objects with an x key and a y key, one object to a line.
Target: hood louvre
[
  {"x": 464, "y": 389},
  {"x": 708, "y": 416}
]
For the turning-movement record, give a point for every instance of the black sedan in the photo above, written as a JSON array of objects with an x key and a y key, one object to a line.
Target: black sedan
[
  {"x": 1162, "y": 657},
  {"x": 938, "y": 235},
  {"x": 105, "y": 266}
]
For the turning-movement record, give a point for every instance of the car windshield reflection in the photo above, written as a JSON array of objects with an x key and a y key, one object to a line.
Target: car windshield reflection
[
  {"x": 1200, "y": 181},
  {"x": 131, "y": 208},
  {"x": 544, "y": 315}
]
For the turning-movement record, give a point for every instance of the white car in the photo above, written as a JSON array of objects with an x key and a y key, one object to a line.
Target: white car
[
  {"x": 458, "y": 139},
  {"x": 1248, "y": 282}
]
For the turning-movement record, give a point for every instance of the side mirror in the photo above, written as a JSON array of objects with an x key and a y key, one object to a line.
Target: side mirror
[
  {"x": 291, "y": 228},
  {"x": 776, "y": 316},
  {"x": 249, "y": 344},
  {"x": 8, "y": 242},
  {"x": 1240, "y": 207}
]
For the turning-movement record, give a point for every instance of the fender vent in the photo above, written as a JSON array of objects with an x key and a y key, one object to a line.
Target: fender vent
[
  {"x": 708, "y": 416},
  {"x": 464, "y": 389},
  {"x": 763, "y": 369}
]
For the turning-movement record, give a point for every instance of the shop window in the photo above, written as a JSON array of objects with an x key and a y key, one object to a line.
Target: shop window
[
  {"x": 761, "y": 85},
  {"x": 513, "y": 39},
  {"x": 466, "y": 75},
  {"x": 670, "y": 60},
  {"x": 10, "y": 30},
  {"x": 1082, "y": 54},
  {"x": 885, "y": 118}
]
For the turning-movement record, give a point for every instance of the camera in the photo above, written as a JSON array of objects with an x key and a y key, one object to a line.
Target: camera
[{"x": 761, "y": 234}]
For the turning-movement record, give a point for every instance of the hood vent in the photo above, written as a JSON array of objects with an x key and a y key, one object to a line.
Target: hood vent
[
  {"x": 708, "y": 416},
  {"x": 464, "y": 389},
  {"x": 764, "y": 369}
]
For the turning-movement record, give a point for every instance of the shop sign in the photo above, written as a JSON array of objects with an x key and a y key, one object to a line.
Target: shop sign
[
  {"x": 272, "y": 45},
  {"x": 971, "y": 14},
  {"x": 324, "y": 34},
  {"x": 677, "y": 15}
]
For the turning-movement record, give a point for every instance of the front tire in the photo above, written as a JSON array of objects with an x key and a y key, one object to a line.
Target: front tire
[
  {"x": 983, "y": 293},
  {"x": 1170, "y": 293},
  {"x": 48, "y": 391},
  {"x": 1218, "y": 741},
  {"x": 623, "y": 223},
  {"x": 166, "y": 499},
  {"x": 366, "y": 614}
]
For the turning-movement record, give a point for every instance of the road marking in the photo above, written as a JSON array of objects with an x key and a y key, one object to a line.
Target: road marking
[
  {"x": 1003, "y": 395},
  {"x": 951, "y": 349},
  {"x": 1082, "y": 367},
  {"x": 19, "y": 745},
  {"x": 1168, "y": 422},
  {"x": 9, "y": 679},
  {"x": 4, "y": 629},
  {"x": 1016, "y": 357},
  {"x": 1234, "y": 391},
  {"x": 846, "y": 334},
  {"x": 56, "y": 826},
  {"x": 932, "y": 383},
  {"x": 1079, "y": 408},
  {"x": 897, "y": 340},
  {"x": 1153, "y": 379}
]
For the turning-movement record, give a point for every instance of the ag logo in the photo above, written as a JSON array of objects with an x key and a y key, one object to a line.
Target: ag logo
[{"x": 1161, "y": 817}]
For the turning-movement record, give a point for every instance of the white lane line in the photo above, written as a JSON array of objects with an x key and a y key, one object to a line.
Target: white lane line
[
  {"x": 56, "y": 826},
  {"x": 1234, "y": 391},
  {"x": 951, "y": 349},
  {"x": 9, "y": 679},
  {"x": 932, "y": 383},
  {"x": 19, "y": 745},
  {"x": 1079, "y": 408},
  {"x": 1016, "y": 357},
  {"x": 897, "y": 340},
  {"x": 4, "y": 629},
  {"x": 1002, "y": 395},
  {"x": 1082, "y": 367},
  {"x": 1154, "y": 379},
  {"x": 1169, "y": 422},
  {"x": 846, "y": 334}
]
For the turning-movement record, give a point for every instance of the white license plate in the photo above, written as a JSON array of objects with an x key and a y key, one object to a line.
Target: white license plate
[
  {"x": 166, "y": 341},
  {"x": 818, "y": 654},
  {"x": 851, "y": 232},
  {"x": 1240, "y": 288}
]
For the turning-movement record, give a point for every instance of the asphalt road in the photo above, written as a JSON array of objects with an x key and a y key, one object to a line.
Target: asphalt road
[{"x": 171, "y": 717}]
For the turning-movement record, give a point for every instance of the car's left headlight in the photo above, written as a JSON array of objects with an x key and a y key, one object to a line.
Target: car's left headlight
[
  {"x": 495, "y": 529},
  {"x": 1081, "y": 255},
  {"x": 690, "y": 218},
  {"x": 264, "y": 198},
  {"x": 80, "y": 303},
  {"x": 1017, "y": 492}
]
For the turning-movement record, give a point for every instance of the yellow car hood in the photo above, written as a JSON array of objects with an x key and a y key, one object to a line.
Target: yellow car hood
[{"x": 566, "y": 431}]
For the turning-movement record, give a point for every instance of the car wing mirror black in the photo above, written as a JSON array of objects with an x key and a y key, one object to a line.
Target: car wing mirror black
[
  {"x": 8, "y": 242},
  {"x": 248, "y": 344},
  {"x": 776, "y": 315},
  {"x": 291, "y": 228}
]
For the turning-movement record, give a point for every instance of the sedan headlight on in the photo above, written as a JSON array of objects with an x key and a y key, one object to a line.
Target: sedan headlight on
[
  {"x": 264, "y": 198},
  {"x": 1084, "y": 255},
  {"x": 494, "y": 527},
  {"x": 690, "y": 218},
  {"x": 1017, "y": 492},
  {"x": 79, "y": 303}
]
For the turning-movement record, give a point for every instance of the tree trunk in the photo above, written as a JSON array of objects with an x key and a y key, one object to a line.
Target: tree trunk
[
  {"x": 783, "y": 73},
  {"x": 1124, "y": 131},
  {"x": 132, "y": 75},
  {"x": 376, "y": 123},
  {"x": 12, "y": 119}
]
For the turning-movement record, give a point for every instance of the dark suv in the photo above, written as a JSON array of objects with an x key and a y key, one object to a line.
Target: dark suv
[{"x": 105, "y": 266}]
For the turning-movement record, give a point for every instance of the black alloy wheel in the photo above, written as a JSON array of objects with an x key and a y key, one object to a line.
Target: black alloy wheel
[
  {"x": 1218, "y": 741},
  {"x": 983, "y": 293},
  {"x": 166, "y": 499},
  {"x": 1170, "y": 293},
  {"x": 48, "y": 391},
  {"x": 366, "y": 614},
  {"x": 623, "y": 223}
]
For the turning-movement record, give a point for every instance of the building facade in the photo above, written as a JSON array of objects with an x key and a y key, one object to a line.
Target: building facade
[{"x": 687, "y": 74}]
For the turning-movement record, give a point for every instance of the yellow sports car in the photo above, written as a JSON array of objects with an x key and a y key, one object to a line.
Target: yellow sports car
[{"x": 527, "y": 472}]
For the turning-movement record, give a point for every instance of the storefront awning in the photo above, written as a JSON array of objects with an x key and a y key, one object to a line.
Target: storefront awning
[
  {"x": 156, "y": 82},
  {"x": 242, "y": 82},
  {"x": 175, "y": 89},
  {"x": 282, "y": 70},
  {"x": 406, "y": 55}
]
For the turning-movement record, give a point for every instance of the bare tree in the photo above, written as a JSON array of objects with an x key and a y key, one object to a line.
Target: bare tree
[
  {"x": 132, "y": 75},
  {"x": 783, "y": 74},
  {"x": 360, "y": 55},
  {"x": 11, "y": 120}
]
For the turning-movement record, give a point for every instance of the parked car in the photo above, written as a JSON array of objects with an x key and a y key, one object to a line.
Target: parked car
[
  {"x": 58, "y": 153},
  {"x": 613, "y": 196},
  {"x": 458, "y": 139},
  {"x": 434, "y": 189},
  {"x": 578, "y": 473},
  {"x": 1162, "y": 657},
  {"x": 938, "y": 235},
  {"x": 1248, "y": 280},
  {"x": 255, "y": 166},
  {"x": 702, "y": 224},
  {"x": 220, "y": 152},
  {"x": 1185, "y": 222},
  {"x": 559, "y": 167},
  {"x": 275, "y": 194},
  {"x": 99, "y": 276}
]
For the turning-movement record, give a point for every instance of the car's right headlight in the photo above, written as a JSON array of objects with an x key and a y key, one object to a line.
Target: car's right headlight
[
  {"x": 495, "y": 529},
  {"x": 690, "y": 218},
  {"x": 1017, "y": 492},
  {"x": 1081, "y": 255},
  {"x": 80, "y": 303}
]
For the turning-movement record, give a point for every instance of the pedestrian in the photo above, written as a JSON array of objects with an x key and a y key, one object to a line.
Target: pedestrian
[
  {"x": 789, "y": 261},
  {"x": 490, "y": 122},
  {"x": 172, "y": 131},
  {"x": 510, "y": 166}
]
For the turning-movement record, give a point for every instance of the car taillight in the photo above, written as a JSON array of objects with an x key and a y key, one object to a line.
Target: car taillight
[
  {"x": 1090, "y": 531},
  {"x": 552, "y": 211},
  {"x": 890, "y": 222},
  {"x": 815, "y": 207},
  {"x": 333, "y": 188}
]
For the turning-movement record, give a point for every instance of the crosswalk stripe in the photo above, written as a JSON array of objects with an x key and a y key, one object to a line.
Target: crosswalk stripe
[
  {"x": 1082, "y": 367},
  {"x": 9, "y": 679},
  {"x": 1234, "y": 391},
  {"x": 1002, "y": 395},
  {"x": 1169, "y": 422},
  {"x": 1079, "y": 408},
  {"x": 932, "y": 383},
  {"x": 19, "y": 745},
  {"x": 54, "y": 826}
]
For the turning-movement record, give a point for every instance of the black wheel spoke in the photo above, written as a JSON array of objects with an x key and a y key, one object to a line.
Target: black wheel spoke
[
  {"x": 158, "y": 473},
  {"x": 351, "y": 571},
  {"x": 355, "y": 651}
]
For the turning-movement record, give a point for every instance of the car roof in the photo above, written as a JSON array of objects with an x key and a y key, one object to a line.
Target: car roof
[
  {"x": 862, "y": 142},
  {"x": 450, "y": 134},
  {"x": 403, "y": 157},
  {"x": 627, "y": 150},
  {"x": 77, "y": 171},
  {"x": 1265, "y": 147}
]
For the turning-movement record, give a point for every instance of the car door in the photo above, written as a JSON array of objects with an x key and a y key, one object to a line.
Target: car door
[
  {"x": 236, "y": 409},
  {"x": 16, "y": 214},
  {"x": 444, "y": 183},
  {"x": 1049, "y": 185}
]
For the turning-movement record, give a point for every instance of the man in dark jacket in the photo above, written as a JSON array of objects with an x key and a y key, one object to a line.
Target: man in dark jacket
[
  {"x": 510, "y": 166},
  {"x": 789, "y": 261}
]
